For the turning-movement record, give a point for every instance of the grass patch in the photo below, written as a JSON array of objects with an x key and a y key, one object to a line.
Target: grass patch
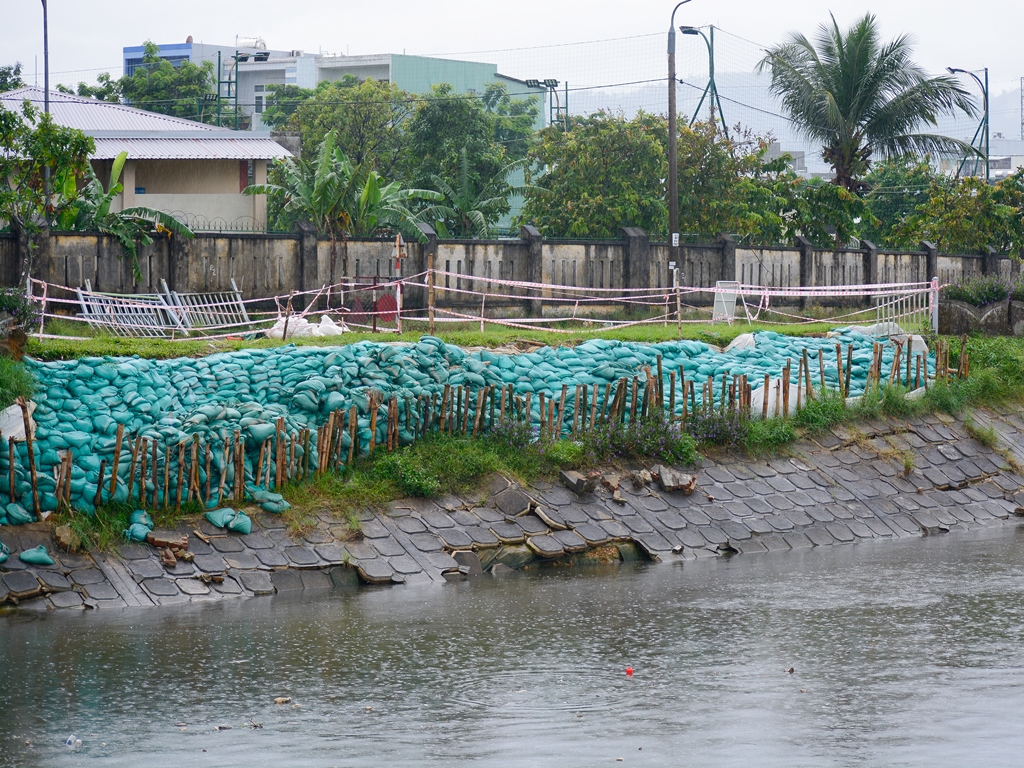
[
  {"x": 104, "y": 530},
  {"x": 987, "y": 436},
  {"x": 769, "y": 436},
  {"x": 825, "y": 410},
  {"x": 15, "y": 381}
]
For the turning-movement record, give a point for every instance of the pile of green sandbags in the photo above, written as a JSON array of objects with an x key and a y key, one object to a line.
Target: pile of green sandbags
[{"x": 80, "y": 403}]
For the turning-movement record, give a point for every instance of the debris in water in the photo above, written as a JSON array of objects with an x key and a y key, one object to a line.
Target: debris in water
[
  {"x": 629, "y": 671},
  {"x": 791, "y": 670},
  {"x": 282, "y": 699}
]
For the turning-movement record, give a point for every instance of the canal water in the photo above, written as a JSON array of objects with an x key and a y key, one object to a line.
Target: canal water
[{"x": 906, "y": 653}]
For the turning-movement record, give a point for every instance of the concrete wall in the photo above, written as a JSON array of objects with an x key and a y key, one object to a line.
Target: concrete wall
[{"x": 274, "y": 265}]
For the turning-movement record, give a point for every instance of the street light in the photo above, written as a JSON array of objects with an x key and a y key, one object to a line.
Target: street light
[
  {"x": 552, "y": 85},
  {"x": 673, "y": 177},
  {"x": 46, "y": 63},
  {"x": 712, "y": 88},
  {"x": 980, "y": 135}
]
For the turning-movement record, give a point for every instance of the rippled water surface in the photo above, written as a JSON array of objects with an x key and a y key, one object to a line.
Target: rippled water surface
[{"x": 904, "y": 654}]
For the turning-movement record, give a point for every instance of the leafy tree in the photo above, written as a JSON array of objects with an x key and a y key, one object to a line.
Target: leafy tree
[
  {"x": 366, "y": 119},
  {"x": 159, "y": 86},
  {"x": 445, "y": 124},
  {"x": 897, "y": 186},
  {"x": 36, "y": 157},
  {"x": 967, "y": 215},
  {"x": 860, "y": 97},
  {"x": 470, "y": 211},
  {"x": 606, "y": 172},
  {"x": 89, "y": 209},
  {"x": 513, "y": 119},
  {"x": 282, "y": 101},
  {"x": 10, "y": 77},
  {"x": 340, "y": 199},
  {"x": 106, "y": 89}
]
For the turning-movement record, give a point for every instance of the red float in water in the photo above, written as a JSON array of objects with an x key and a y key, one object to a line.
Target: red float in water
[{"x": 629, "y": 671}]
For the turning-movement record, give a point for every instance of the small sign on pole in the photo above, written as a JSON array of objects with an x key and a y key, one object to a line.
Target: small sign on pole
[
  {"x": 399, "y": 252},
  {"x": 675, "y": 239}
]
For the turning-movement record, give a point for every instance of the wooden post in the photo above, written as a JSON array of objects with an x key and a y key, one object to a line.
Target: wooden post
[
  {"x": 155, "y": 473},
  {"x": 561, "y": 411},
  {"x": 481, "y": 396},
  {"x": 117, "y": 459},
  {"x": 543, "y": 415},
  {"x": 98, "y": 499},
  {"x": 373, "y": 424},
  {"x": 799, "y": 381},
  {"x": 671, "y": 397},
  {"x": 632, "y": 401},
  {"x": 430, "y": 291},
  {"x": 786, "y": 373},
  {"x": 575, "y": 413},
  {"x": 181, "y": 474},
  {"x": 839, "y": 369},
  {"x": 259, "y": 462},
  {"x": 206, "y": 451},
  {"x": 767, "y": 392},
  {"x": 134, "y": 464},
  {"x": 661, "y": 386},
  {"x": 821, "y": 370},
  {"x": 239, "y": 466},
  {"x": 142, "y": 471},
  {"x": 31, "y": 454},
  {"x": 679, "y": 310},
  {"x": 849, "y": 370},
  {"x": 593, "y": 409}
]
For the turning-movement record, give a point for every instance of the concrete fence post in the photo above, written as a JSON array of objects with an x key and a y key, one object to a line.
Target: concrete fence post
[
  {"x": 534, "y": 265},
  {"x": 931, "y": 253},
  {"x": 179, "y": 254},
  {"x": 990, "y": 261},
  {"x": 728, "y": 251},
  {"x": 870, "y": 265},
  {"x": 308, "y": 266},
  {"x": 806, "y": 266},
  {"x": 636, "y": 261},
  {"x": 416, "y": 298}
]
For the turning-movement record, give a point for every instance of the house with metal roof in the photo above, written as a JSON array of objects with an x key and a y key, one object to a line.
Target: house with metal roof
[{"x": 193, "y": 171}]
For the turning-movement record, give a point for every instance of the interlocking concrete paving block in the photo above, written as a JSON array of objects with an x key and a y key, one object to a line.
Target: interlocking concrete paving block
[
  {"x": 819, "y": 536},
  {"x": 759, "y": 505},
  {"x": 257, "y": 582},
  {"x": 227, "y": 544},
  {"x": 301, "y": 556},
  {"x": 101, "y": 592},
  {"x": 840, "y": 532},
  {"x": 878, "y": 527},
  {"x": 438, "y": 520},
  {"x": 782, "y": 522},
  {"x": 455, "y": 538},
  {"x": 134, "y": 551},
  {"x": 749, "y": 546},
  {"x": 739, "y": 490},
  {"x": 410, "y": 525},
  {"x": 161, "y": 587},
  {"x": 271, "y": 558},
  {"x": 54, "y": 581},
  {"x": 637, "y": 524},
  {"x": 426, "y": 542},
  {"x": 905, "y": 524},
  {"x": 736, "y": 530},
  {"x": 719, "y": 512},
  {"x": 797, "y": 540},
  {"x": 572, "y": 541},
  {"x": 227, "y": 587},
  {"x": 774, "y": 542},
  {"x": 193, "y": 587},
  {"x": 594, "y": 535},
  {"x": 66, "y": 600},
  {"x": 442, "y": 561},
  {"x": 820, "y": 496},
  {"x": 713, "y": 534},
  {"x": 241, "y": 560},
  {"x": 404, "y": 564},
  {"x": 373, "y": 529},
  {"x": 819, "y": 513},
  {"x": 615, "y": 529},
  {"x": 146, "y": 569},
  {"x": 313, "y": 579},
  {"x": 21, "y": 584},
  {"x": 859, "y": 529},
  {"x": 797, "y": 517},
  {"x": 334, "y": 554},
  {"x": 508, "y": 533}
]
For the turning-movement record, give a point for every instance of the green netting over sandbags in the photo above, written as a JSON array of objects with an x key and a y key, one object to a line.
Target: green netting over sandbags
[{"x": 266, "y": 395}]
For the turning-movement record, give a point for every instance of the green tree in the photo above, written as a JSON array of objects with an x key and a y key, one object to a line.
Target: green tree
[
  {"x": 366, "y": 119},
  {"x": 282, "y": 101},
  {"x": 340, "y": 199},
  {"x": 606, "y": 172},
  {"x": 513, "y": 119},
  {"x": 10, "y": 77},
  {"x": 470, "y": 211},
  {"x": 89, "y": 208},
  {"x": 37, "y": 156},
  {"x": 106, "y": 89},
  {"x": 968, "y": 216},
  {"x": 159, "y": 86},
  {"x": 860, "y": 97},
  {"x": 442, "y": 126},
  {"x": 897, "y": 186}
]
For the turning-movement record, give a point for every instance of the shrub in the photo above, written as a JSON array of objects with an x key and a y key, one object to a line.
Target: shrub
[
  {"x": 17, "y": 304},
  {"x": 726, "y": 429},
  {"x": 768, "y": 435},
  {"x": 650, "y": 438},
  {"x": 824, "y": 411},
  {"x": 981, "y": 290}
]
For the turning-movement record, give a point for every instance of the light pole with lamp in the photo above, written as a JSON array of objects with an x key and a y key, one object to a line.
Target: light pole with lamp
[
  {"x": 712, "y": 89},
  {"x": 980, "y": 135},
  {"x": 673, "y": 177}
]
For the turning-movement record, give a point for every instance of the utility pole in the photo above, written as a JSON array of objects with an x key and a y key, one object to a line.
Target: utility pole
[
  {"x": 982, "y": 134},
  {"x": 673, "y": 171}
]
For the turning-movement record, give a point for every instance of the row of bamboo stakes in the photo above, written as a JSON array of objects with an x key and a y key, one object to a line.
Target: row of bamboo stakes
[{"x": 459, "y": 410}]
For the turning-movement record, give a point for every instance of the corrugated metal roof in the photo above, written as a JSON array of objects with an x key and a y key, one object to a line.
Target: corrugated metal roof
[
  {"x": 89, "y": 115},
  {"x": 145, "y": 135},
  {"x": 198, "y": 148}
]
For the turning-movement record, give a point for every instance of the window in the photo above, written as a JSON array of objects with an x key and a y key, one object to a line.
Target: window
[{"x": 259, "y": 105}]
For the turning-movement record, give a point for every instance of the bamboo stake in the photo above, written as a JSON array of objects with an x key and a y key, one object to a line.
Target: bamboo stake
[
  {"x": 166, "y": 496},
  {"x": 444, "y": 406},
  {"x": 117, "y": 459},
  {"x": 142, "y": 471},
  {"x": 910, "y": 351},
  {"x": 31, "y": 454},
  {"x": 373, "y": 423},
  {"x": 786, "y": 373},
  {"x": 604, "y": 405},
  {"x": 807, "y": 373},
  {"x": 584, "y": 391},
  {"x": 206, "y": 451},
  {"x": 767, "y": 391},
  {"x": 661, "y": 385},
  {"x": 239, "y": 468},
  {"x": 799, "y": 381},
  {"x": 193, "y": 485},
  {"x": 575, "y": 413},
  {"x": 849, "y": 370},
  {"x": 353, "y": 433},
  {"x": 632, "y": 402},
  {"x": 181, "y": 474},
  {"x": 692, "y": 386},
  {"x": 671, "y": 397},
  {"x": 593, "y": 410},
  {"x": 481, "y": 397},
  {"x": 543, "y": 415},
  {"x": 917, "y": 372},
  {"x": 839, "y": 369},
  {"x": 430, "y": 290},
  {"x": 98, "y": 499},
  {"x": 279, "y": 453},
  {"x": 561, "y": 411},
  {"x": 685, "y": 385},
  {"x": 259, "y": 461},
  {"x": 67, "y": 479}
]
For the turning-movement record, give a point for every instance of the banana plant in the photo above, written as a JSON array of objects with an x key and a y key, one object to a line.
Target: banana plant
[{"x": 89, "y": 209}]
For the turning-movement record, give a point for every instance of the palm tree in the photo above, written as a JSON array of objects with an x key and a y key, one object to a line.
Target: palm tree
[
  {"x": 341, "y": 199},
  {"x": 860, "y": 97},
  {"x": 468, "y": 212}
]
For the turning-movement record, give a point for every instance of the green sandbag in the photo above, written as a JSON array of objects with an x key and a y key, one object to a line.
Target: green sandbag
[
  {"x": 275, "y": 507},
  {"x": 4, "y": 552},
  {"x": 220, "y": 517},
  {"x": 241, "y": 523},
  {"x": 36, "y": 556},
  {"x": 141, "y": 516},
  {"x": 18, "y": 515},
  {"x": 137, "y": 532}
]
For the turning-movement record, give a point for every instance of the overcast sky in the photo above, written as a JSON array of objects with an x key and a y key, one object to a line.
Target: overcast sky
[{"x": 87, "y": 35}]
